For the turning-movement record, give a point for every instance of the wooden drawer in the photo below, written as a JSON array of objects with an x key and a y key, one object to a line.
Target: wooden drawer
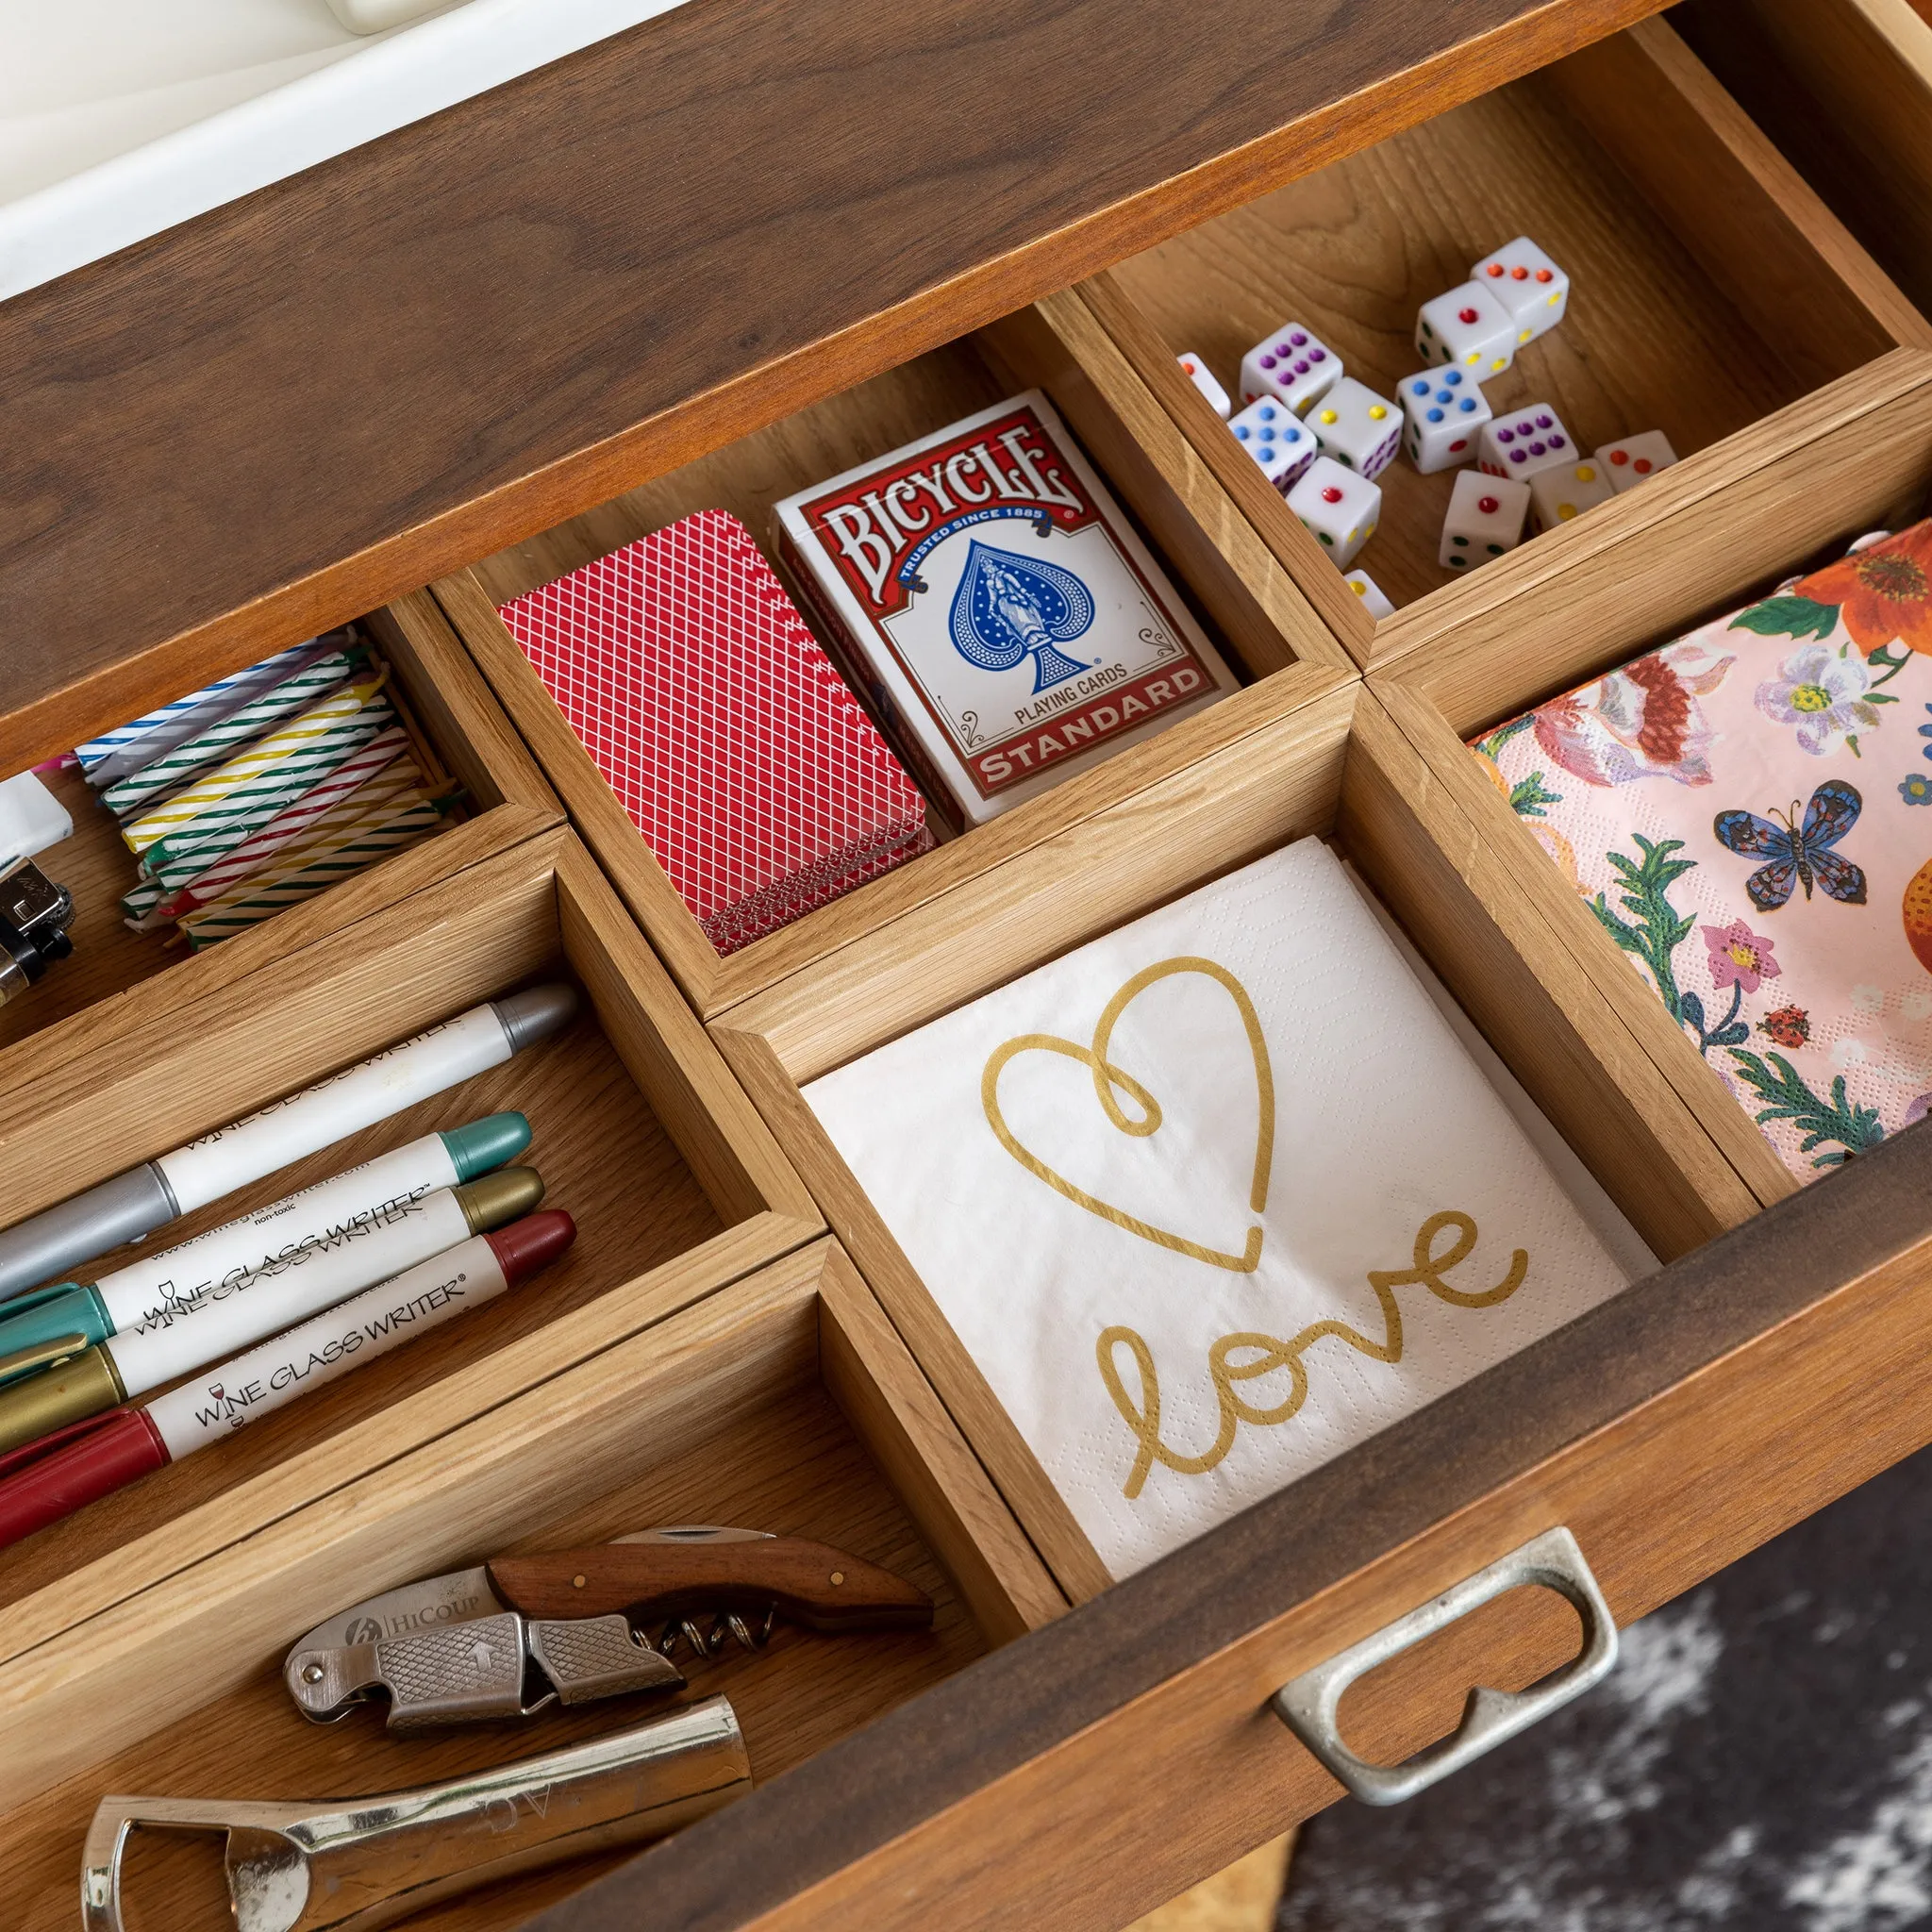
[
  {"x": 1771, "y": 1366},
  {"x": 1844, "y": 87},
  {"x": 709, "y": 1352},
  {"x": 1249, "y": 604},
  {"x": 784, "y": 1398},
  {"x": 449, "y": 708},
  {"x": 1711, "y": 288}
]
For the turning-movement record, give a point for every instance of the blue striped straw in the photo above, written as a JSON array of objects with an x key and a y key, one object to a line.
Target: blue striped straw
[{"x": 115, "y": 753}]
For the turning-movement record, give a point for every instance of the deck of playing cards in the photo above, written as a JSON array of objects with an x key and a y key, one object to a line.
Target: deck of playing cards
[
  {"x": 990, "y": 597},
  {"x": 754, "y": 774}
]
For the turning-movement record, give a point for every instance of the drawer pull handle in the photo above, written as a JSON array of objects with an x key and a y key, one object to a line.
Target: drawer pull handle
[{"x": 1307, "y": 1705}]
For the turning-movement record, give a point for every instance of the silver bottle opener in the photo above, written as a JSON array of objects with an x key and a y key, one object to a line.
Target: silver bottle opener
[{"x": 350, "y": 1864}]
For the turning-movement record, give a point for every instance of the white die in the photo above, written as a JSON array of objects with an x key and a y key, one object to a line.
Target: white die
[
  {"x": 1369, "y": 592},
  {"x": 1524, "y": 441},
  {"x": 1485, "y": 519},
  {"x": 1468, "y": 327},
  {"x": 1198, "y": 373},
  {"x": 1338, "y": 507},
  {"x": 1292, "y": 365},
  {"x": 1270, "y": 433},
  {"x": 1630, "y": 459},
  {"x": 1527, "y": 283},
  {"x": 1360, "y": 429},
  {"x": 1444, "y": 411},
  {"x": 1567, "y": 489}
]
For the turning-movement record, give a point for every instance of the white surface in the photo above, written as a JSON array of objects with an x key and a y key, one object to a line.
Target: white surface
[
  {"x": 237, "y": 1313},
  {"x": 120, "y": 118},
  {"x": 194, "y": 1270},
  {"x": 31, "y": 818},
  {"x": 1382, "y": 1120},
  {"x": 250, "y": 1386},
  {"x": 317, "y": 1117}
]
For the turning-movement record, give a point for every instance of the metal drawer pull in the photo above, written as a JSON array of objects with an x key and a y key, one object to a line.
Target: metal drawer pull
[{"x": 1307, "y": 1705}]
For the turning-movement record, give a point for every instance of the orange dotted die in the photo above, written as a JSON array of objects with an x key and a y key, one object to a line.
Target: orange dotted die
[
  {"x": 1495, "y": 269},
  {"x": 1520, "y": 274},
  {"x": 1543, "y": 274},
  {"x": 1620, "y": 457}
]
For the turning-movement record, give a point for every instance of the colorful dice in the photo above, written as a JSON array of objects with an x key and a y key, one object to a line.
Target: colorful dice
[
  {"x": 1360, "y": 429},
  {"x": 1628, "y": 462},
  {"x": 1443, "y": 412},
  {"x": 1563, "y": 491},
  {"x": 1202, "y": 377},
  {"x": 1527, "y": 283},
  {"x": 1338, "y": 507},
  {"x": 1270, "y": 433},
  {"x": 1292, "y": 365},
  {"x": 1469, "y": 328},
  {"x": 1485, "y": 519},
  {"x": 1524, "y": 441}
]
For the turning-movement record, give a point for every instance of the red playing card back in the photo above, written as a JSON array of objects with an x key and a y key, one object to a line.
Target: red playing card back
[{"x": 755, "y": 777}]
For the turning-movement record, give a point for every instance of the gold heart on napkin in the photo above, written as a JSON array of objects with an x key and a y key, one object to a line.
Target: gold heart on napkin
[{"x": 1108, "y": 1077}]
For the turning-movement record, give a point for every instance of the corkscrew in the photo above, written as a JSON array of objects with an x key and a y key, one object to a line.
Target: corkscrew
[{"x": 510, "y": 1636}]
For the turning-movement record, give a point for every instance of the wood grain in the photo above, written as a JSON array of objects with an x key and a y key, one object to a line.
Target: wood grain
[
  {"x": 717, "y": 1415},
  {"x": 812, "y": 1584},
  {"x": 905, "y": 1427},
  {"x": 408, "y": 357},
  {"x": 1844, "y": 87},
  {"x": 1631, "y": 167},
  {"x": 1019, "y": 1792},
  {"x": 1459, "y": 893},
  {"x": 1250, "y": 602},
  {"x": 1271, "y": 776}
]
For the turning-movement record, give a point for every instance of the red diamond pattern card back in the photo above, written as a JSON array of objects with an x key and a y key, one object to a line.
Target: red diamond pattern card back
[{"x": 757, "y": 780}]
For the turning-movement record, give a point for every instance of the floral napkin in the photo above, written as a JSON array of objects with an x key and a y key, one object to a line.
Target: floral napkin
[{"x": 1748, "y": 811}]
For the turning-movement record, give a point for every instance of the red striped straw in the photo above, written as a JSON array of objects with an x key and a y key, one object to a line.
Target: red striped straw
[{"x": 232, "y": 867}]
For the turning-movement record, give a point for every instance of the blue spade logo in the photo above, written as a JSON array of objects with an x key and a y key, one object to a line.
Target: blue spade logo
[{"x": 1007, "y": 606}]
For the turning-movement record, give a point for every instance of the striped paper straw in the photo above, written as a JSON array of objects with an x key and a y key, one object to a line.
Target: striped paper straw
[
  {"x": 172, "y": 771},
  {"x": 192, "y": 882},
  {"x": 117, "y": 753},
  {"x": 384, "y": 794},
  {"x": 241, "y": 796},
  {"x": 137, "y": 905},
  {"x": 404, "y": 826}
]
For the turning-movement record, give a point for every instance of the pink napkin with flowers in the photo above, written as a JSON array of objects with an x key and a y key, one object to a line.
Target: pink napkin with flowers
[{"x": 1748, "y": 811}]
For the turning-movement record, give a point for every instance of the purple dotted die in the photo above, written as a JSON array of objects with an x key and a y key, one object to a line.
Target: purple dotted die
[
  {"x": 1544, "y": 422},
  {"x": 1557, "y": 442},
  {"x": 1299, "y": 338},
  {"x": 1505, "y": 436}
]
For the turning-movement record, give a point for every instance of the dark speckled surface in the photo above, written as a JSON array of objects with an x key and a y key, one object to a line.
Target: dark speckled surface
[{"x": 1760, "y": 1759}]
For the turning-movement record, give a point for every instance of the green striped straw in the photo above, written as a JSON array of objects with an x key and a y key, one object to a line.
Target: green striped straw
[
  {"x": 393, "y": 831},
  {"x": 130, "y": 796},
  {"x": 139, "y": 907},
  {"x": 385, "y": 755},
  {"x": 215, "y": 813},
  {"x": 399, "y": 784}
]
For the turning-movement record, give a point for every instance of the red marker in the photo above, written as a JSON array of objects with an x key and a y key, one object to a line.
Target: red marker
[{"x": 61, "y": 1473}]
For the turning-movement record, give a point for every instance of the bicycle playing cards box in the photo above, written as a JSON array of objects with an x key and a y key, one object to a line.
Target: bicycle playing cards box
[
  {"x": 992, "y": 601},
  {"x": 754, "y": 774}
]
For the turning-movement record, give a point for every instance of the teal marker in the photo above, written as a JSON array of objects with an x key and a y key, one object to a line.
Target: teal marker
[{"x": 53, "y": 1323}]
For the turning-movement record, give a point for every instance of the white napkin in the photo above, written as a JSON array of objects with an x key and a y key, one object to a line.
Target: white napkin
[{"x": 1382, "y": 1124}]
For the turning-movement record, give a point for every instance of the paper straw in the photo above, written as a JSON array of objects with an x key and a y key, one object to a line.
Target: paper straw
[
  {"x": 115, "y": 753},
  {"x": 407, "y": 825},
  {"x": 279, "y": 767},
  {"x": 371, "y": 804},
  {"x": 136, "y": 907},
  {"x": 383, "y": 754},
  {"x": 139, "y": 792}
]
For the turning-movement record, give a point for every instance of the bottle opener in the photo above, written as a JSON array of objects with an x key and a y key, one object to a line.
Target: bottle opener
[{"x": 350, "y": 1864}]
